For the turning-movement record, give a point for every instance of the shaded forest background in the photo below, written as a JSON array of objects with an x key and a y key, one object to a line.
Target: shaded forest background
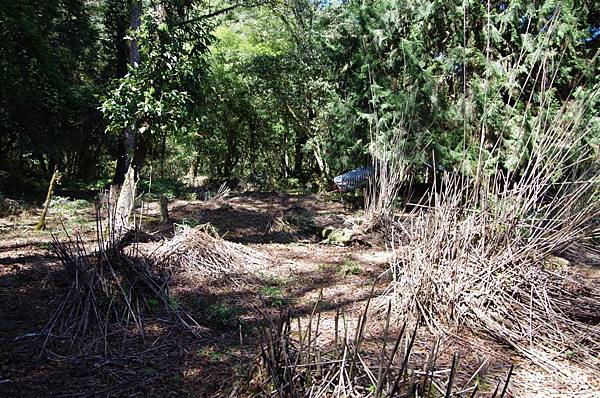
[{"x": 285, "y": 94}]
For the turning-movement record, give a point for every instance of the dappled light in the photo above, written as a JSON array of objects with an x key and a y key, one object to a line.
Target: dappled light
[{"x": 299, "y": 198}]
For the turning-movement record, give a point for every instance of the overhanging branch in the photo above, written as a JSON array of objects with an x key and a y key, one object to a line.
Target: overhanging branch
[{"x": 223, "y": 11}]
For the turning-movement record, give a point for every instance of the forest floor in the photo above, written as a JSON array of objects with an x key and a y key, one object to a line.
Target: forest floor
[{"x": 168, "y": 361}]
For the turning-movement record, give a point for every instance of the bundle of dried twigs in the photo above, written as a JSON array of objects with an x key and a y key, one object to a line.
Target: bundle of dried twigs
[
  {"x": 106, "y": 287},
  {"x": 115, "y": 285},
  {"x": 297, "y": 361},
  {"x": 196, "y": 250},
  {"x": 9, "y": 207},
  {"x": 218, "y": 198}
]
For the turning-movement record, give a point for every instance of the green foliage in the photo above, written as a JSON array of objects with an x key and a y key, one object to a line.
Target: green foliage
[
  {"x": 160, "y": 96},
  {"x": 153, "y": 304},
  {"x": 190, "y": 222},
  {"x": 47, "y": 246},
  {"x": 272, "y": 292},
  {"x": 210, "y": 353},
  {"x": 350, "y": 267},
  {"x": 48, "y": 113},
  {"x": 464, "y": 84},
  {"x": 273, "y": 296},
  {"x": 347, "y": 267},
  {"x": 323, "y": 81},
  {"x": 219, "y": 314},
  {"x": 289, "y": 94},
  {"x": 170, "y": 188},
  {"x": 68, "y": 204}
]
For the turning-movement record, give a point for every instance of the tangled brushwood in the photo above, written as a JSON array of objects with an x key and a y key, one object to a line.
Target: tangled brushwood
[
  {"x": 107, "y": 287},
  {"x": 481, "y": 252},
  {"x": 483, "y": 256},
  {"x": 129, "y": 277},
  {"x": 9, "y": 207},
  {"x": 200, "y": 250},
  {"x": 300, "y": 361}
]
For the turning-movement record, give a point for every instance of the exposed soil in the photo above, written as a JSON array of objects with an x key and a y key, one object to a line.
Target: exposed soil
[{"x": 165, "y": 360}]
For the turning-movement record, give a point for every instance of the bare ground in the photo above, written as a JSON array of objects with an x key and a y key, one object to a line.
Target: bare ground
[{"x": 164, "y": 360}]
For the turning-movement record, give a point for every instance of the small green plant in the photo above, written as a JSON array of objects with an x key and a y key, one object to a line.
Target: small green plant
[
  {"x": 273, "y": 296},
  {"x": 220, "y": 314},
  {"x": 325, "y": 268},
  {"x": 273, "y": 280},
  {"x": 67, "y": 205},
  {"x": 153, "y": 304},
  {"x": 210, "y": 353},
  {"x": 350, "y": 267},
  {"x": 192, "y": 196},
  {"x": 44, "y": 245},
  {"x": 301, "y": 221},
  {"x": 190, "y": 222},
  {"x": 173, "y": 304},
  {"x": 571, "y": 354},
  {"x": 149, "y": 371},
  {"x": 82, "y": 221}
]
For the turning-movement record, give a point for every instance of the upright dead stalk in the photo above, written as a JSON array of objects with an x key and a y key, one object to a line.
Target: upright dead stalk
[{"x": 298, "y": 360}]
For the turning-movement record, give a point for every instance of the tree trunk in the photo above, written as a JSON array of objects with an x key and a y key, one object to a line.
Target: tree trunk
[
  {"x": 53, "y": 183},
  {"x": 134, "y": 161},
  {"x": 164, "y": 208},
  {"x": 299, "y": 154},
  {"x": 121, "y": 169}
]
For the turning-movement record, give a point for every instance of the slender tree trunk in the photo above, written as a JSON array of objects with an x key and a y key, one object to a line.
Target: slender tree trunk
[
  {"x": 193, "y": 169},
  {"x": 231, "y": 155},
  {"x": 53, "y": 183},
  {"x": 301, "y": 140},
  {"x": 121, "y": 61},
  {"x": 134, "y": 161},
  {"x": 299, "y": 154}
]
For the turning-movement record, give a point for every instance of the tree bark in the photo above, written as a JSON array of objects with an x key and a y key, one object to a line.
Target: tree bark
[
  {"x": 125, "y": 203},
  {"x": 193, "y": 170},
  {"x": 301, "y": 140},
  {"x": 121, "y": 169}
]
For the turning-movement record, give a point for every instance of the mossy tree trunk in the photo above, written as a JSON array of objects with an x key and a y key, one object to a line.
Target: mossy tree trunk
[{"x": 41, "y": 225}]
